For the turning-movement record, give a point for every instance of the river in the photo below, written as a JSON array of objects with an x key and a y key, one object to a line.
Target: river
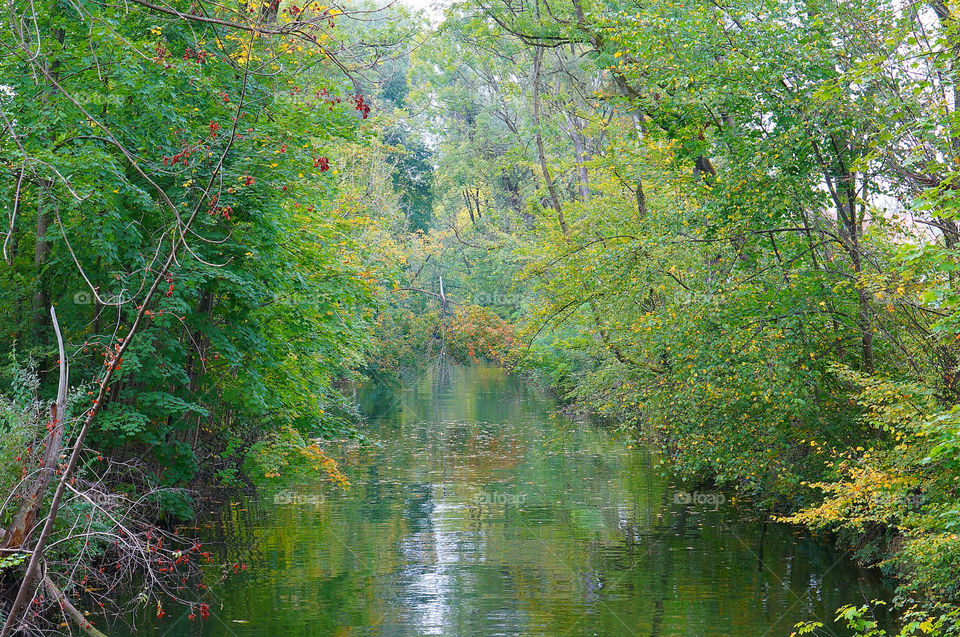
[{"x": 478, "y": 511}]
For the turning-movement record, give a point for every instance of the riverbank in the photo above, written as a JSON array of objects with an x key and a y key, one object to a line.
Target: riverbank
[{"x": 873, "y": 515}]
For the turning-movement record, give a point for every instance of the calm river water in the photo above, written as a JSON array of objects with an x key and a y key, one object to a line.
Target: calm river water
[{"x": 480, "y": 513}]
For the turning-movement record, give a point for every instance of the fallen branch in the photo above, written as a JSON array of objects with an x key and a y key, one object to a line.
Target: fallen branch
[{"x": 70, "y": 609}]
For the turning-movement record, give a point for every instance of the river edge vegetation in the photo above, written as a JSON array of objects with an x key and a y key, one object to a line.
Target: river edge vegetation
[{"x": 732, "y": 226}]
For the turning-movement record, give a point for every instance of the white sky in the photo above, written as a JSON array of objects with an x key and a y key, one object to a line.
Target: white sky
[{"x": 433, "y": 8}]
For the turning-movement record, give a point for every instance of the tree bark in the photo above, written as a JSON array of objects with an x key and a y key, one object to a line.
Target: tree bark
[
  {"x": 579, "y": 155},
  {"x": 70, "y": 609},
  {"x": 538, "y": 138},
  {"x": 41, "y": 296},
  {"x": 18, "y": 533}
]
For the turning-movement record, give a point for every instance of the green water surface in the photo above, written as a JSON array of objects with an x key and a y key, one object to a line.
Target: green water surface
[{"x": 480, "y": 512}]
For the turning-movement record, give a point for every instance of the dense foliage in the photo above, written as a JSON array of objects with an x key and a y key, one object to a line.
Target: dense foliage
[
  {"x": 733, "y": 226},
  {"x": 730, "y": 225},
  {"x": 189, "y": 190}
]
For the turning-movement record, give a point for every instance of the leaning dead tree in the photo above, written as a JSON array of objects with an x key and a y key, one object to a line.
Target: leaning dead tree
[
  {"x": 16, "y": 535},
  {"x": 127, "y": 546}
]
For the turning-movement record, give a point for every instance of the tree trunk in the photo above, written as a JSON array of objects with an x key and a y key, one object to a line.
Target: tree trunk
[
  {"x": 466, "y": 199},
  {"x": 538, "y": 138},
  {"x": 70, "y": 609},
  {"x": 579, "y": 154},
  {"x": 18, "y": 533},
  {"x": 41, "y": 297},
  {"x": 851, "y": 230}
]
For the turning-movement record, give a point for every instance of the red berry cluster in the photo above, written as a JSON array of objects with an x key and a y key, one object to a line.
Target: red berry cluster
[
  {"x": 218, "y": 210},
  {"x": 161, "y": 52},
  {"x": 331, "y": 100},
  {"x": 214, "y": 127},
  {"x": 113, "y": 358},
  {"x": 197, "y": 55},
  {"x": 360, "y": 105},
  {"x": 326, "y": 14},
  {"x": 188, "y": 149}
]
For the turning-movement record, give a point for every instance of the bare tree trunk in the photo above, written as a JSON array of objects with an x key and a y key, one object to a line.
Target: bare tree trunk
[
  {"x": 842, "y": 185},
  {"x": 551, "y": 188},
  {"x": 951, "y": 234},
  {"x": 703, "y": 168},
  {"x": 853, "y": 232},
  {"x": 466, "y": 199},
  {"x": 579, "y": 154},
  {"x": 641, "y": 199},
  {"x": 18, "y": 533},
  {"x": 41, "y": 298},
  {"x": 625, "y": 90}
]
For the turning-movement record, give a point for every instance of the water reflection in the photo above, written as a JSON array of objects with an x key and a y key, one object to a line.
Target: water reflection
[{"x": 482, "y": 514}]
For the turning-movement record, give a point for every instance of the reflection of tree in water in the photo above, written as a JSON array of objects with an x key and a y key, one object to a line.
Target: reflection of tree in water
[
  {"x": 423, "y": 589},
  {"x": 598, "y": 544},
  {"x": 379, "y": 401},
  {"x": 443, "y": 372}
]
